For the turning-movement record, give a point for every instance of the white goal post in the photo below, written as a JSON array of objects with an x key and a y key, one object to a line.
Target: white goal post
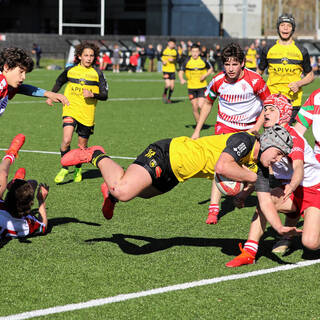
[{"x": 86, "y": 25}]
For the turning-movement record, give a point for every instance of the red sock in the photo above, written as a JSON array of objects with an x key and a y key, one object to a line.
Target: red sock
[
  {"x": 214, "y": 209},
  {"x": 10, "y": 157},
  {"x": 251, "y": 247}
]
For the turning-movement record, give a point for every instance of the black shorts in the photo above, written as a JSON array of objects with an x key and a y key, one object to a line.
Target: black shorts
[
  {"x": 169, "y": 75},
  {"x": 155, "y": 159},
  {"x": 82, "y": 130},
  {"x": 196, "y": 93}
]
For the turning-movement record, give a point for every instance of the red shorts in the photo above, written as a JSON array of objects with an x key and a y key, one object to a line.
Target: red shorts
[
  {"x": 221, "y": 128},
  {"x": 305, "y": 197}
]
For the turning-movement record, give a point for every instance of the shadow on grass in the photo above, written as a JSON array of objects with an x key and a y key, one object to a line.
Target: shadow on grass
[
  {"x": 54, "y": 222},
  {"x": 228, "y": 206},
  {"x": 204, "y": 127},
  {"x": 229, "y": 247}
]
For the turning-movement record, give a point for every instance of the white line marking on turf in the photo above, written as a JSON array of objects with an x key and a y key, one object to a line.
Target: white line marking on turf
[
  {"x": 135, "y": 295},
  {"x": 110, "y": 99},
  {"x": 54, "y": 152}
]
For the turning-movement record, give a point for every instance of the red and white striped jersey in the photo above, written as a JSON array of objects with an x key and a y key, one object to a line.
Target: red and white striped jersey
[
  {"x": 241, "y": 102},
  {"x": 11, "y": 227},
  {"x": 309, "y": 115},
  {"x": 3, "y": 93},
  {"x": 301, "y": 150}
]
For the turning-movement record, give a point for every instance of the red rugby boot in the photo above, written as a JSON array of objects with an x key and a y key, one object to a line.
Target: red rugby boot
[
  {"x": 16, "y": 144},
  {"x": 78, "y": 156},
  {"x": 242, "y": 259},
  {"x": 108, "y": 203}
]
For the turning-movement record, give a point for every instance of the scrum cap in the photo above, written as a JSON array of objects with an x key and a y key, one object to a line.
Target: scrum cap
[
  {"x": 282, "y": 103},
  {"x": 278, "y": 137}
]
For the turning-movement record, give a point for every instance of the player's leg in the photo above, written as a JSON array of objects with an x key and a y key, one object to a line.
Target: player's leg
[
  {"x": 68, "y": 129},
  {"x": 214, "y": 204},
  {"x": 16, "y": 144},
  {"x": 171, "y": 88},
  {"x": 289, "y": 208},
  {"x": 195, "y": 108},
  {"x": 166, "y": 87},
  {"x": 311, "y": 228},
  {"x": 250, "y": 249}
]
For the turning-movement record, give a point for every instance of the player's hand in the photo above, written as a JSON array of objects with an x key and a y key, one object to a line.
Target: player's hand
[
  {"x": 183, "y": 81},
  {"x": 289, "y": 231},
  {"x": 42, "y": 193},
  {"x": 294, "y": 87},
  {"x": 202, "y": 78},
  {"x": 49, "y": 102},
  {"x": 170, "y": 59},
  {"x": 57, "y": 97},
  {"x": 87, "y": 94},
  {"x": 195, "y": 136}
]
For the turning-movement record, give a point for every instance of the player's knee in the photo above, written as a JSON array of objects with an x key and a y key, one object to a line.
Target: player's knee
[
  {"x": 311, "y": 243},
  {"x": 122, "y": 194}
]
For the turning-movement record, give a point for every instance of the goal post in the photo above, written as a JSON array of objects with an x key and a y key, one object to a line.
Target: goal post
[{"x": 82, "y": 25}]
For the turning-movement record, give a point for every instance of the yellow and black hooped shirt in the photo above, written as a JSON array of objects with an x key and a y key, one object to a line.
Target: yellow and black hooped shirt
[
  {"x": 166, "y": 54},
  {"x": 285, "y": 64},
  {"x": 194, "y": 69},
  {"x": 79, "y": 78}
]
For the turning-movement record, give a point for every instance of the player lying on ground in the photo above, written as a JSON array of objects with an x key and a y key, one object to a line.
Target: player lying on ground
[
  {"x": 299, "y": 193},
  {"x": 165, "y": 163},
  {"x": 14, "y": 64},
  {"x": 16, "y": 219}
]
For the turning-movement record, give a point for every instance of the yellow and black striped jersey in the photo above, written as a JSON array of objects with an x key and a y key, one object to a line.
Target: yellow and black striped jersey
[
  {"x": 79, "y": 78},
  {"x": 194, "y": 69},
  {"x": 166, "y": 54},
  {"x": 197, "y": 158},
  {"x": 251, "y": 58},
  {"x": 285, "y": 64}
]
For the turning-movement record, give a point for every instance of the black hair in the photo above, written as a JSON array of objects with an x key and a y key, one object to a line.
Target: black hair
[
  {"x": 232, "y": 50},
  {"x": 86, "y": 45}
]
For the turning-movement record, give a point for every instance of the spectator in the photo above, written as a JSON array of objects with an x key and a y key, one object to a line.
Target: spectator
[
  {"x": 318, "y": 64},
  {"x": 151, "y": 54},
  {"x": 158, "y": 56},
  {"x": 105, "y": 61},
  {"x": 116, "y": 59},
  {"x": 204, "y": 52},
  {"x": 143, "y": 58},
  {"x": 36, "y": 50},
  {"x": 314, "y": 64},
  {"x": 133, "y": 61},
  {"x": 218, "y": 59}
]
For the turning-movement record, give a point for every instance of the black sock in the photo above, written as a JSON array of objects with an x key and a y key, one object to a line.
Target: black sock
[
  {"x": 62, "y": 154},
  {"x": 170, "y": 93},
  {"x": 165, "y": 91},
  {"x": 97, "y": 156}
]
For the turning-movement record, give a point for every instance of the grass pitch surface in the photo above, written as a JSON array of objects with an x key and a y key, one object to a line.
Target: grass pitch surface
[{"x": 148, "y": 244}]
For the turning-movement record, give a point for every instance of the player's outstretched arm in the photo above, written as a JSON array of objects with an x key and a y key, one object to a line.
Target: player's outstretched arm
[
  {"x": 55, "y": 97},
  {"x": 269, "y": 211},
  {"x": 42, "y": 194}
]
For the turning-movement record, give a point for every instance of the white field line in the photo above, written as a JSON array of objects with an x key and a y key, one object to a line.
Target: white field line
[
  {"x": 110, "y": 99},
  {"x": 54, "y": 152},
  {"x": 135, "y": 295}
]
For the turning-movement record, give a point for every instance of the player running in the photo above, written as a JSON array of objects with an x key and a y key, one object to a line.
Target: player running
[
  {"x": 169, "y": 58},
  {"x": 240, "y": 93},
  {"x": 163, "y": 164},
  {"x": 299, "y": 193},
  {"x": 85, "y": 86},
  {"x": 16, "y": 220},
  {"x": 288, "y": 64},
  {"x": 14, "y": 64},
  {"x": 196, "y": 69}
]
